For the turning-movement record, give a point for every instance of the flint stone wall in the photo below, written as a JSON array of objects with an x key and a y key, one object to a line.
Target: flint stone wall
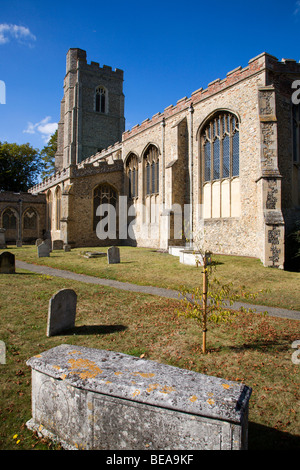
[{"x": 97, "y": 399}]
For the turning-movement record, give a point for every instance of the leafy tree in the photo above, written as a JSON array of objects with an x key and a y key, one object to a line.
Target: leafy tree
[
  {"x": 20, "y": 166},
  {"x": 48, "y": 156}
]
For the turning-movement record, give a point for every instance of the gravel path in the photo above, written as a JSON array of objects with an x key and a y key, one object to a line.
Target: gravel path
[{"x": 158, "y": 291}]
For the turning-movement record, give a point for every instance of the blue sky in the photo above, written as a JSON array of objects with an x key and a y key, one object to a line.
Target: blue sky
[{"x": 167, "y": 50}]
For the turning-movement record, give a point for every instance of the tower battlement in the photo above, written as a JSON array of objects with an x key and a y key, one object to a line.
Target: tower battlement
[
  {"x": 92, "y": 109},
  {"x": 76, "y": 58}
]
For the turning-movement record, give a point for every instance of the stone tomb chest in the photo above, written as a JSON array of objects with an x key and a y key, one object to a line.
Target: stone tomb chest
[{"x": 97, "y": 399}]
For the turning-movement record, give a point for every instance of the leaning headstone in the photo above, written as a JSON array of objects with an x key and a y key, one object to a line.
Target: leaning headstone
[
  {"x": 38, "y": 241},
  {"x": 67, "y": 248},
  {"x": 43, "y": 250},
  {"x": 57, "y": 245},
  {"x": 7, "y": 263},
  {"x": 61, "y": 312},
  {"x": 113, "y": 255},
  {"x": 2, "y": 238}
]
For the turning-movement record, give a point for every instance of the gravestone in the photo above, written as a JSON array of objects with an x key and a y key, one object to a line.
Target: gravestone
[
  {"x": 94, "y": 254},
  {"x": 7, "y": 263},
  {"x": 57, "y": 245},
  {"x": 61, "y": 312},
  {"x": 48, "y": 242},
  {"x": 67, "y": 248},
  {"x": 43, "y": 250},
  {"x": 113, "y": 255},
  {"x": 19, "y": 243},
  {"x": 38, "y": 241},
  {"x": 2, "y": 238}
]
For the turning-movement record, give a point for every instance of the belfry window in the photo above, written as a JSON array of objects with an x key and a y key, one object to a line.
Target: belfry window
[
  {"x": 101, "y": 100},
  {"x": 151, "y": 165},
  {"x": 220, "y": 147},
  {"x": 132, "y": 175}
]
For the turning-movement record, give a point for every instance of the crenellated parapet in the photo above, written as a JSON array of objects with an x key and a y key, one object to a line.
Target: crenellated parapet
[
  {"x": 262, "y": 62},
  {"x": 51, "y": 180},
  {"x": 104, "y": 162},
  {"x": 76, "y": 59}
]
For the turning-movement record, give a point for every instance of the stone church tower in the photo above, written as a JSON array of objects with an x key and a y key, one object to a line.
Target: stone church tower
[{"x": 92, "y": 110}]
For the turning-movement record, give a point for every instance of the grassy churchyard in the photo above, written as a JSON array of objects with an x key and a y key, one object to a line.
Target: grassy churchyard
[{"x": 254, "y": 349}]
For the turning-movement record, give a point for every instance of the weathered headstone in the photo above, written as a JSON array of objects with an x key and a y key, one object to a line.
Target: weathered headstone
[
  {"x": 7, "y": 263},
  {"x": 57, "y": 245},
  {"x": 43, "y": 250},
  {"x": 2, "y": 238},
  {"x": 61, "y": 312},
  {"x": 19, "y": 243},
  {"x": 48, "y": 242},
  {"x": 38, "y": 241},
  {"x": 94, "y": 254},
  {"x": 113, "y": 255},
  {"x": 67, "y": 248}
]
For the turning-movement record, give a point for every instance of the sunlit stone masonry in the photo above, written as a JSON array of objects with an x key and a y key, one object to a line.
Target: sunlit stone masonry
[
  {"x": 95, "y": 399},
  {"x": 225, "y": 160}
]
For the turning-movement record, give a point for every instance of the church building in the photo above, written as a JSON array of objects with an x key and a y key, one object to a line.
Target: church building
[{"x": 224, "y": 162}]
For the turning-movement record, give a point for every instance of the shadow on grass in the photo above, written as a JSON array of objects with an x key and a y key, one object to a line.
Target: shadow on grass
[
  {"x": 255, "y": 345},
  {"x": 94, "y": 330},
  {"x": 264, "y": 438}
]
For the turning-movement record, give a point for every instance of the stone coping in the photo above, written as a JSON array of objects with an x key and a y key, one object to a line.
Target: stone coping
[{"x": 144, "y": 381}]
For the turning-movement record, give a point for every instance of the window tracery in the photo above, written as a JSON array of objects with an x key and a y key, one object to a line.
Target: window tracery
[
  {"x": 100, "y": 100},
  {"x": 220, "y": 147},
  {"x": 103, "y": 194},
  {"x": 151, "y": 165},
  {"x": 132, "y": 175}
]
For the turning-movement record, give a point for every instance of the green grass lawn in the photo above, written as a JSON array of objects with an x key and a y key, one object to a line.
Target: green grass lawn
[
  {"x": 150, "y": 267},
  {"x": 254, "y": 349}
]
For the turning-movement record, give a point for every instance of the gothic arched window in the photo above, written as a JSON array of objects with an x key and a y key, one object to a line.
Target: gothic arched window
[
  {"x": 57, "y": 207},
  {"x": 9, "y": 220},
  {"x": 101, "y": 100},
  {"x": 49, "y": 210},
  {"x": 103, "y": 194},
  {"x": 30, "y": 219},
  {"x": 220, "y": 166},
  {"x": 132, "y": 175},
  {"x": 151, "y": 165},
  {"x": 220, "y": 147}
]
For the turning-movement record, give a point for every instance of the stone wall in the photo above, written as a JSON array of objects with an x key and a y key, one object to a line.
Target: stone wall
[
  {"x": 260, "y": 199},
  {"x": 21, "y": 206},
  {"x": 82, "y": 131}
]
